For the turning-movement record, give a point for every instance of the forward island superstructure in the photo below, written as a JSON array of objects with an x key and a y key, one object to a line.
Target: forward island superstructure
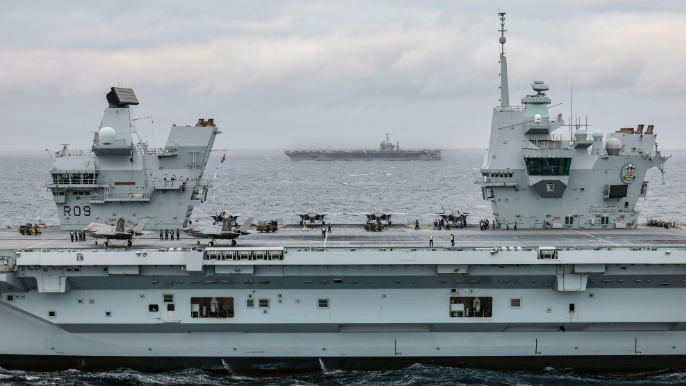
[
  {"x": 606, "y": 298},
  {"x": 121, "y": 177}
]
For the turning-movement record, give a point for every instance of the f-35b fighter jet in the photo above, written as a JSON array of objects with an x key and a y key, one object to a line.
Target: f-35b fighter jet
[
  {"x": 455, "y": 217},
  {"x": 225, "y": 232},
  {"x": 312, "y": 216},
  {"x": 219, "y": 217},
  {"x": 377, "y": 216},
  {"x": 115, "y": 232}
]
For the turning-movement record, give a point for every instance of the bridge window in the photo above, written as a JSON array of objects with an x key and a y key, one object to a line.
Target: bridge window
[
  {"x": 548, "y": 166},
  {"x": 74, "y": 178}
]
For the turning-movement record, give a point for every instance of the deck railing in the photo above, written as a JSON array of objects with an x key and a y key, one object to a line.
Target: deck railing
[{"x": 614, "y": 209}]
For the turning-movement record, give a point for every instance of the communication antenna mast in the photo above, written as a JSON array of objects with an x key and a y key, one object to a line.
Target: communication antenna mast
[
  {"x": 504, "y": 92},
  {"x": 571, "y": 106},
  {"x": 502, "y": 31}
]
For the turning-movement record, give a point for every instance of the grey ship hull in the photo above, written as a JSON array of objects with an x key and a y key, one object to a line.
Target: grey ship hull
[
  {"x": 387, "y": 295},
  {"x": 370, "y": 155}
]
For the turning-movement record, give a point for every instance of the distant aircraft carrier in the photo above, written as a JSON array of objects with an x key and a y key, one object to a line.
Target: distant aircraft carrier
[{"x": 387, "y": 152}]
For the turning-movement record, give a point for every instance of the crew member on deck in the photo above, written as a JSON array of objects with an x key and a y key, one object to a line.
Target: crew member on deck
[{"x": 431, "y": 239}]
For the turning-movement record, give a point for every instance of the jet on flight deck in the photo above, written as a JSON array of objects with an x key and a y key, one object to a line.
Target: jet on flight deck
[
  {"x": 378, "y": 215},
  {"x": 213, "y": 232},
  {"x": 115, "y": 232}
]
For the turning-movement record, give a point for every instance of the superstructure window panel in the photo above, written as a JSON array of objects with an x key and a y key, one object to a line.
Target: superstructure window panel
[
  {"x": 471, "y": 307},
  {"x": 548, "y": 166},
  {"x": 214, "y": 307},
  {"x": 515, "y": 302}
]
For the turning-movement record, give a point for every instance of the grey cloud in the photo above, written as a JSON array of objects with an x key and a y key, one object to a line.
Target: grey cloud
[{"x": 310, "y": 74}]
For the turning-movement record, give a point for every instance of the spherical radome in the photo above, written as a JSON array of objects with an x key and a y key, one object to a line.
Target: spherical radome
[
  {"x": 597, "y": 135},
  {"x": 537, "y": 118},
  {"x": 613, "y": 146},
  {"x": 107, "y": 135},
  {"x": 502, "y": 40},
  {"x": 580, "y": 134}
]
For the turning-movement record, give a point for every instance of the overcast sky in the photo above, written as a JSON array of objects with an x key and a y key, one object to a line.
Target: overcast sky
[{"x": 307, "y": 74}]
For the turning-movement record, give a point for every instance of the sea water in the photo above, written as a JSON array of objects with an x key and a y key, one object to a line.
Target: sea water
[{"x": 265, "y": 184}]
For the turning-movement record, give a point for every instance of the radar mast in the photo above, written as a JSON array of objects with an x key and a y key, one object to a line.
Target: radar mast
[{"x": 504, "y": 92}]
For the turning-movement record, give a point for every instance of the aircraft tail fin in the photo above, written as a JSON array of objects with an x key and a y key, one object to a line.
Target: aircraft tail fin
[
  {"x": 139, "y": 228},
  {"x": 120, "y": 225},
  {"x": 246, "y": 225},
  {"x": 227, "y": 225}
]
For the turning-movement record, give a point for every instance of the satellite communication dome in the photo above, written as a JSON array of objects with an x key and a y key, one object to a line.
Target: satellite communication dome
[
  {"x": 537, "y": 118},
  {"x": 107, "y": 135},
  {"x": 502, "y": 40},
  {"x": 613, "y": 146},
  {"x": 597, "y": 135},
  {"x": 580, "y": 134}
]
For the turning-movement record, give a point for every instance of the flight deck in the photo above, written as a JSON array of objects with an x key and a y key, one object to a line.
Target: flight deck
[{"x": 349, "y": 235}]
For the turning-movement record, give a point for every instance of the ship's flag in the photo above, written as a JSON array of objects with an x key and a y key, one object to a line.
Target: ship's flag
[{"x": 216, "y": 172}]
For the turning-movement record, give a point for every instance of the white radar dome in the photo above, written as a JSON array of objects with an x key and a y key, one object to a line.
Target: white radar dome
[
  {"x": 613, "y": 146},
  {"x": 580, "y": 134},
  {"x": 107, "y": 135},
  {"x": 597, "y": 135},
  {"x": 537, "y": 118}
]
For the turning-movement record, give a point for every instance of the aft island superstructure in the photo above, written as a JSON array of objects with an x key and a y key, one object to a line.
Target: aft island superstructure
[{"x": 542, "y": 177}]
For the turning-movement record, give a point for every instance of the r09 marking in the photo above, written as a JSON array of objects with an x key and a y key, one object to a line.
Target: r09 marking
[{"x": 86, "y": 211}]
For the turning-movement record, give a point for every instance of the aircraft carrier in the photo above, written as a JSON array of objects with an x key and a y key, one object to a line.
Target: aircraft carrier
[
  {"x": 387, "y": 152},
  {"x": 580, "y": 286}
]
